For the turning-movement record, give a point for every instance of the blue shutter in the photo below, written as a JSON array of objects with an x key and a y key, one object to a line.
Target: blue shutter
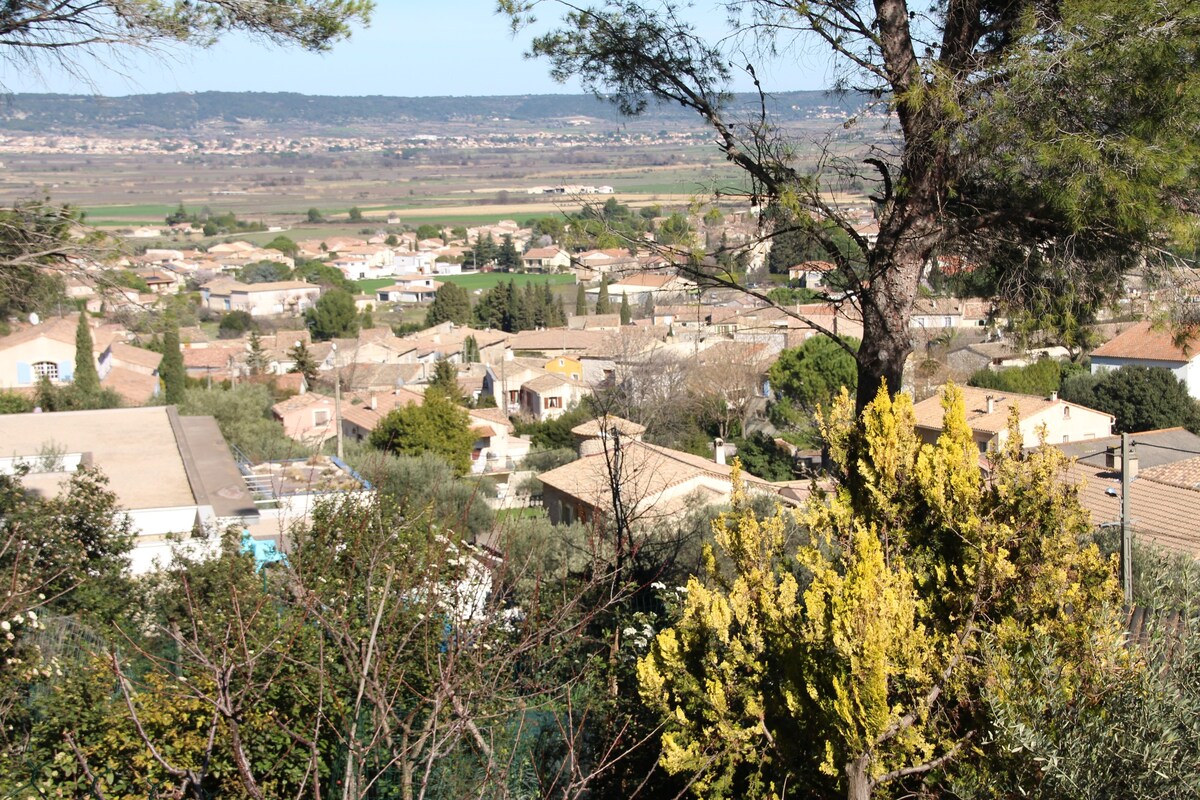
[
  {"x": 66, "y": 371},
  {"x": 24, "y": 374}
]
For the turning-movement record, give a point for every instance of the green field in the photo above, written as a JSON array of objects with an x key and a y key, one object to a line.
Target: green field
[
  {"x": 149, "y": 212},
  {"x": 478, "y": 280},
  {"x": 486, "y": 280},
  {"x": 369, "y": 287}
]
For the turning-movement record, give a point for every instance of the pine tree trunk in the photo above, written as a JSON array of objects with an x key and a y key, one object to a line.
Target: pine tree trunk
[{"x": 909, "y": 235}]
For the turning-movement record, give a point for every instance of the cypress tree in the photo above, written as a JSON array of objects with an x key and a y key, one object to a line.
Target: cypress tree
[
  {"x": 626, "y": 311},
  {"x": 171, "y": 370},
  {"x": 602, "y": 304},
  {"x": 87, "y": 379},
  {"x": 581, "y": 307}
]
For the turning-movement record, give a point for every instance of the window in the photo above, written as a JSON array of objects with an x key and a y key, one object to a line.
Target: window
[
  {"x": 45, "y": 369},
  {"x": 514, "y": 395},
  {"x": 1066, "y": 412},
  {"x": 552, "y": 402},
  {"x": 320, "y": 416},
  {"x": 1066, "y": 438}
]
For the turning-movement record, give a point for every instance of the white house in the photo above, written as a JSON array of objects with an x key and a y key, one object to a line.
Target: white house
[
  {"x": 409, "y": 289},
  {"x": 988, "y": 413},
  {"x": 1146, "y": 345}
]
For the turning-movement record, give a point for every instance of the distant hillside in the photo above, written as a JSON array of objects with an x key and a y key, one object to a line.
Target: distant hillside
[{"x": 185, "y": 112}]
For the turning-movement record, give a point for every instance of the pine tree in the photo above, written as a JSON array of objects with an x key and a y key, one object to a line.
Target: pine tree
[
  {"x": 507, "y": 257},
  {"x": 451, "y": 303},
  {"x": 626, "y": 311},
  {"x": 257, "y": 361},
  {"x": 171, "y": 370},
  {"x": 445, "y": 380},
  {"x": 303, "y": 362},
  {"x": 87, "y": 379},
  {"x": 581, "y": 306},
  {"x": 602, "y": 304}
]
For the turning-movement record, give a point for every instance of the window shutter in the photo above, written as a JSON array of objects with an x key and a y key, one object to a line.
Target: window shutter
[
  {"x": 66, "y": 371},
  {"x": 24, "y": 373}
]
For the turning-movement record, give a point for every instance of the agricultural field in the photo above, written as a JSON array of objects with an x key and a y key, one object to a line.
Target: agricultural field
[{"x": 473, "y": 281}]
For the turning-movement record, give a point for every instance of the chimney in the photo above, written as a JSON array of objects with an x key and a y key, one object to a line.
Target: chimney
[
  {"x": 374, "y": 403},
  {"x": 1054, "y": 397},
  {"x": 991, "y": 404},
  {"x": 1112, "y": 460},
  {"x": 719, "y": 450}
]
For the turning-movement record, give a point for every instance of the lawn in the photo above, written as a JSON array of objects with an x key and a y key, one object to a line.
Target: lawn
[
  {"x": 513, "y": 514},
  {"x": 478, "y": 280},
  {"x": 487, "y": 280},
  {"x": 369, "y": 287}
]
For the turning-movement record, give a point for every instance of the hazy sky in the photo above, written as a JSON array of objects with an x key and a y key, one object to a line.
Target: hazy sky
[{"x": 413, "y": 48}]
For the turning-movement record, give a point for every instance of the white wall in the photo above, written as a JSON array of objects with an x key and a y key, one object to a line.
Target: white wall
[{"x": 1189, "y": 373}]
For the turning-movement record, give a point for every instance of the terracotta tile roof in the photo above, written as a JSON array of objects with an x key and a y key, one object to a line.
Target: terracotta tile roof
[
  {"x": 556, "y": 339},
  {"x": 60, "y": 329},
  {"x": 494, "y": 416},
  {"x": 929, "y": 412},
  {"x": 365, "y": 417},
  {"x": 814, "y": 266},
  {"x": 1148, "y": 342},
  {"x": 214, "y": 357},
  {"x": 595, "y": 427},
  {"x": 140, "y": 356},
  {"x": 648, "y": 279},
  {"x": 542, "y": 252},
  {"x": 546, "y": 383},
  {"x": 647, "y": 472},
  {"x": 1184, "y": 474},
  {"x": 1161, "y": 513},
  {"x": 300, "y": 402},
  {"x": 275, "y": 286},
  {"x": 137, "y": 389}
]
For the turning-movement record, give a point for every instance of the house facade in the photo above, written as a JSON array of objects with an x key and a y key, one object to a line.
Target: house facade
[
  {"x": 546, "y": 259},
  {"x": 1145, "y": 345},
  {"x": 261, "y": 299},
  {"x": 988, "y": 413},
  {"x": 549, "y": 396}
]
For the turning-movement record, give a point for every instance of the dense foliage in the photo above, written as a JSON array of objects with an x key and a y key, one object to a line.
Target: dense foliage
[
  {"x": 505, "y": 307},
  {"x": 435, "y": 426},
  {"x": 857, "y": 661},
  {"x": 1042, "y": 377},
  {"x": 1141, "y": 398},
  {"x": 451, "y": 303}
]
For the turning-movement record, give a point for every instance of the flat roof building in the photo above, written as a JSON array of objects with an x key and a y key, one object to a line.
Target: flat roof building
[{"x": 170, "y": 473}]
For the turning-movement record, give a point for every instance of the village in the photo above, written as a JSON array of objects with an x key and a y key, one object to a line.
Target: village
[{"x": 637, "y": 344}]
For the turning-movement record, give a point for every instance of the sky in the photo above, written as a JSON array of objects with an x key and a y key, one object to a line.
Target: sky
[{"x": 413, "y": 48}]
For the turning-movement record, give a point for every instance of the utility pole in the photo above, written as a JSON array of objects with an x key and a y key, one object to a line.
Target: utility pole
[
  {"x": 1126, "y": 528},
  {"x": 337, "y": 400}
]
